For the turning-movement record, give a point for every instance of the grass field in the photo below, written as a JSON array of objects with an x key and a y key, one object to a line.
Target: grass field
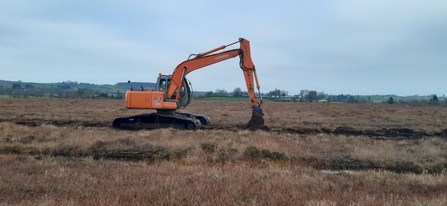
[{"x": 64, "y": 152}]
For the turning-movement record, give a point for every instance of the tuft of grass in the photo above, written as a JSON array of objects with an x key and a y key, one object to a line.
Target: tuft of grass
[
  {"x": 209, "y": 147},
  {"x": 253, "y": 152},
  {"x": 20, "y": 139}
]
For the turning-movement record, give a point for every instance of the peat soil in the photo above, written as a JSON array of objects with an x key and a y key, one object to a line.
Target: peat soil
[
  {"x": 152, "y": 154},
  {"x": 251, "y": 155}
]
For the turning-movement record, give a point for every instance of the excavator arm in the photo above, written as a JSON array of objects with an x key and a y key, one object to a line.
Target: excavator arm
[{"x": 210, "y": 57}]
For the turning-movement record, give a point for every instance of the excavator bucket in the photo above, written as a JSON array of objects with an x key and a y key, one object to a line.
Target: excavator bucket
[{"x": 257, "y": 118}]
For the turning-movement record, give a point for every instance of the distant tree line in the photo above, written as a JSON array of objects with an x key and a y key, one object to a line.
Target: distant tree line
[
  {"x": 67, "y": 89},
  {"x": 315, "y": 96},
  {"x": 434, "y": 101}
]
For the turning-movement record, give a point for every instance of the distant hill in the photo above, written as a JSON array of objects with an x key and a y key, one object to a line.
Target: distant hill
[
  {"x": 145, "y": 85},
  {"x": 6, "y": 83},
  {"x": 66, "y": 89}
]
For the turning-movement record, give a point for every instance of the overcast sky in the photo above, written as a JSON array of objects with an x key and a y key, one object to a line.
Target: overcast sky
[{"x": 337, "y": 47}]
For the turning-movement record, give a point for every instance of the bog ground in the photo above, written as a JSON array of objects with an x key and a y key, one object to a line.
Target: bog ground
[{"x": 64, "y": 152}]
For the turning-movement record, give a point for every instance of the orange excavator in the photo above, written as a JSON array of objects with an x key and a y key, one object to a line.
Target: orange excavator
[{"x": 173, "y": 92}]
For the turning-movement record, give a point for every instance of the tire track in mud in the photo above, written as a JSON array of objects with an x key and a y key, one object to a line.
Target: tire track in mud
[{"x": 383, "y": 133}]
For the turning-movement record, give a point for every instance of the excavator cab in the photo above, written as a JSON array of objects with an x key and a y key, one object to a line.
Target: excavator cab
[{"x": 163, "y": 83}]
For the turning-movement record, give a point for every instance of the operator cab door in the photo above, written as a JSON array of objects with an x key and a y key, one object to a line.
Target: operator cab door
[{"x": 163, "y": 82}]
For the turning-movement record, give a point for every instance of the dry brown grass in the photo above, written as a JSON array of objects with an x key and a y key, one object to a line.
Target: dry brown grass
[
  {"x": 56, "y": 181},
  {"x": 72, "y": 164}
]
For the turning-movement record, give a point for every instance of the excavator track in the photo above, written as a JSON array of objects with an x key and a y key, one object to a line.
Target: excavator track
[
  {"x": 174, "y": 119},
  {"x": 204, "y": 120}
]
